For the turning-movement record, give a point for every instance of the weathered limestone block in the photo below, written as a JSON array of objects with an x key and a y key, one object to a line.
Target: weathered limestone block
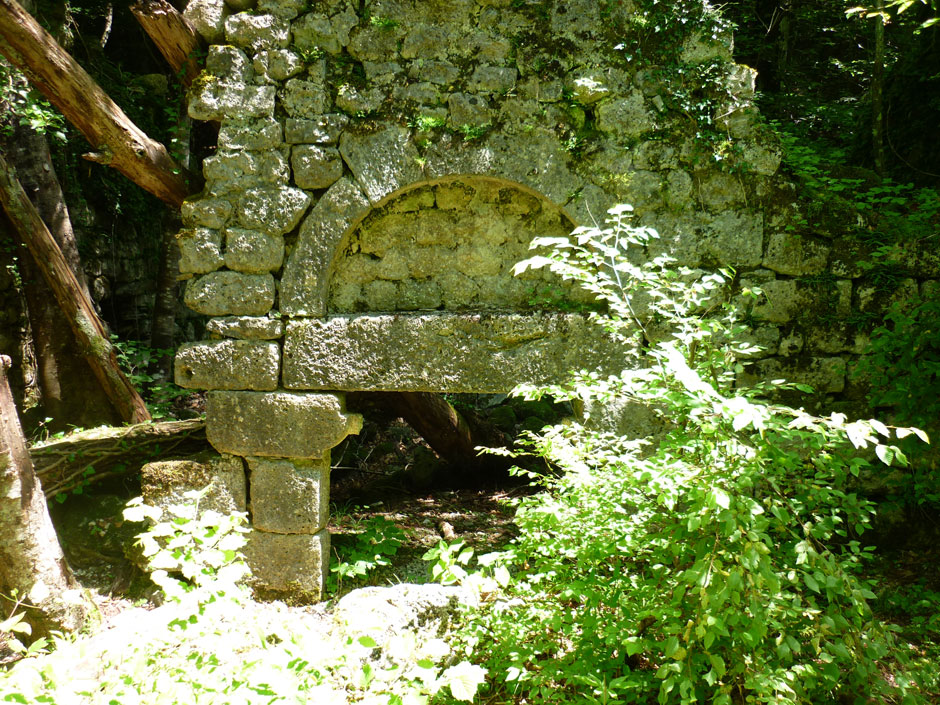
[
  {"x": 164, "y": 483},
  {"x": 735, "y": 239},
  {"x": 382, "y": 161},
  {"x": 304, "y": 279},
  {"x": 246, "y": 327},
  {"x": 206, "y": 212},
  {"x": 874, "y": 298},
  {"x": 719, "y": 191},
  {"x": 283, "y": 9},
  {"x": 537, "y": 160},
  {"x": 227, "y": 171},
  {"x": 370, "y": 43},
  {"x": 278, "y": 64},
  {"x": 257, "y": 32},
  {"x": 625, "y": 117},
  {"x": 457, "y": 353},
  {"x": 323, "y": 130},
  {"x": 289, "y": 496},
  {"x": 215, "y": 100},
  {"x": 278, "y": 424},
  {"x": 782, "y": 303},
  {"x": 382, "y": 73},
  {"x": 763, "y": 159},
  {"x": 272, "y": 210},
  {"x": 440, "y": 72},
  {"x": 354, "y": 101},
  {"x": 259, "y": 134},
  {"x": 228, "y": 364},
  {"x": 303, "y": 99},
  {"x": 229, "y": 64},
  {"x": 253, "y": 252},
  {"x": 289, "y": 567},
  {"x": 470, "y": 110},
  {"x": 792, "y": 343},
  {"x": 200, "y": 250},
  {"x": 385, "y": 613},
  {"x": 425, "y": 94},
  {"x": 426, "y": 42},
  {"x": 230, "y": 293},
  {"x": 208, "y": 18},
  {"x": 588, "y": 87},
  {"x": 794, "y": 255},
  {"x": 823, "y": 374},
  {"x": 326, "y": 33},
  {"x": 316, "y": 167},
  {"x": 492, "y": 79},
  {"x": 837, "y": 338}
]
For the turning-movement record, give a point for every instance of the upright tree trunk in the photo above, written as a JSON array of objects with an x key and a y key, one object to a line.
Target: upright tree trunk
[
  {"x": 877, "y": 91},
  {"x": 32, "y": 564},
  {"x": 166, "y": 298},
  {"x": 93, "y": 343},
  {"x": 68, "y": 394}
]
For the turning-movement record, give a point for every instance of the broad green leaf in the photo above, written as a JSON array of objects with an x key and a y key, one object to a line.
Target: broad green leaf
[{"x": 464, "y": 680}]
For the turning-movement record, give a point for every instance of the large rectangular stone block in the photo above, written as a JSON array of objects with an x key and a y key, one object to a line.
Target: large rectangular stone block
[
  {"x": 289, "y": 496},
  {"x": 278, "y": 424},
  {"x": 289, "y": 567},
  {"x": 458, "y": 353},
  {"x": 228, "y": 364},
  {"x": 164, "y": 483}
]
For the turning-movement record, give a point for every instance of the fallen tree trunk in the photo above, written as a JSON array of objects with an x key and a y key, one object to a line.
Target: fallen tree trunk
[
  {"x": 117, "y": 141},
  {"x": 98, "y": 454},
  {"x": 89, "y": 332}
]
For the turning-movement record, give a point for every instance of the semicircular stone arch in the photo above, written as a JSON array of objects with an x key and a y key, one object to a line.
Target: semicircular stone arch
[
  {"x": 384, "y": 164},
  {"x": 446, "y": 244}
]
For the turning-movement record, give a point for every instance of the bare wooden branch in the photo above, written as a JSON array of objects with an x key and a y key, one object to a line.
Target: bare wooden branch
[
  {"x": 82, "y": 101},
  {"x": 89, "y": 332},
  {"x": 173, "y": 34}
]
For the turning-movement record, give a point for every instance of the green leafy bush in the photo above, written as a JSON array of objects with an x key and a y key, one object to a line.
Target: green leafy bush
[
  {"x": 210, "y": 645},
  {"x": 378, "y": 541},
  {"x": 903, "y": 369},
  {"x": 718, "y": 563}
]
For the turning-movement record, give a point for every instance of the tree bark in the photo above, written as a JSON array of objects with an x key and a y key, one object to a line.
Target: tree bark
[
  {"x": 31, "y": 560},
  {"x": 93, "y": 456},
  {"x": 877, "y": 91},
  {"x": 173, "y": 34},
  {"x": 68, "y": 394},
  {"x": 449, "y": 433},
  {"x": 117, "y": 141},
  {"x": 89, "y": 332}
]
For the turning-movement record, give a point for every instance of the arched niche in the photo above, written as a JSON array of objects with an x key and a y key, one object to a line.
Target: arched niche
[{"x": 448, "y": 244}]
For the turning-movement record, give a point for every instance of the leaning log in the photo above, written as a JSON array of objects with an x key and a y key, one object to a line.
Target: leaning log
[
  {"x": 173, "y": 34},
  {"x": 32, "y": 566},
  {"x": 98, "y": 454},
  {"x": 93, "y": 343},
  {"x": 115, "y": 139}
]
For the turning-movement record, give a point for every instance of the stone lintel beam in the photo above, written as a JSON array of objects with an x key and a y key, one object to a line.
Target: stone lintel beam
[
  {"x": 444, "y": 352},
  {"x": 278, "y": 424}
]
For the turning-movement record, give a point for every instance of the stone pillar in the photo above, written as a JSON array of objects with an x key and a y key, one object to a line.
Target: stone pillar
[{"x": 285, "y": 438}]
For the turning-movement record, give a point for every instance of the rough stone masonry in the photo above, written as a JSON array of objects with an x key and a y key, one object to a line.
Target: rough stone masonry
[{"x": 380, "y": 168}]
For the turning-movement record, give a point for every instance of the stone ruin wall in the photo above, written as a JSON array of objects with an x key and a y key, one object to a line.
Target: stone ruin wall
[{"x": 380, "y": 168}]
